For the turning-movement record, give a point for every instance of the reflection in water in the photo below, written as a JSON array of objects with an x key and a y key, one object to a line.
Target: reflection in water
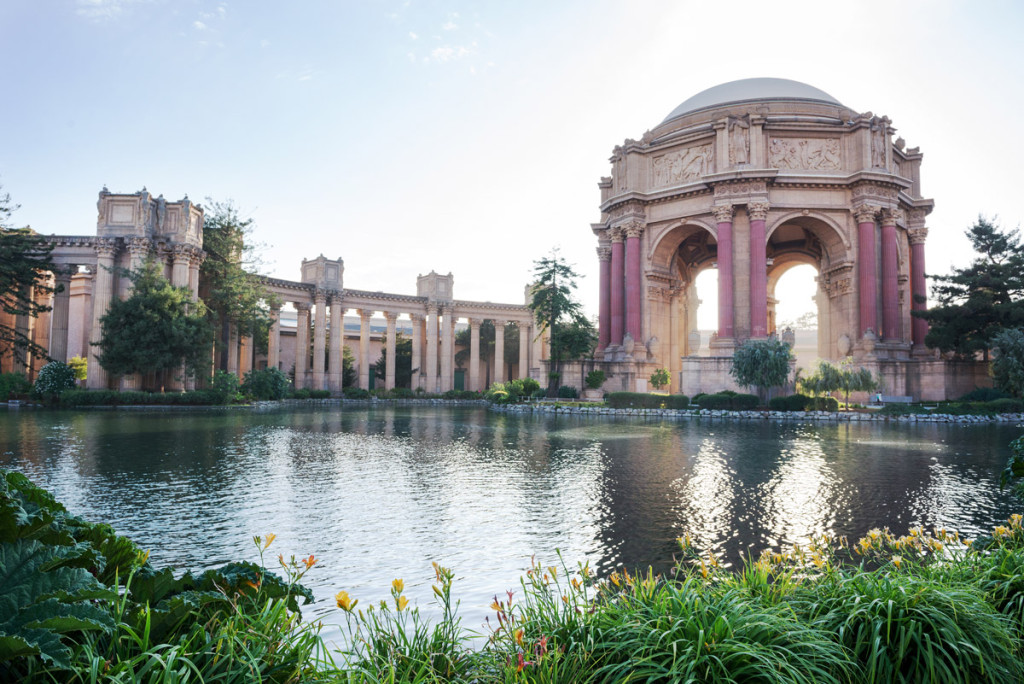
[{"x": 379, "y": 493}]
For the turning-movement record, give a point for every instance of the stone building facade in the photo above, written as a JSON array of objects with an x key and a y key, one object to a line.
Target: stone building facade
[
  {"x": 751, "y": 178},
  {"x": 133, "y": 227}
]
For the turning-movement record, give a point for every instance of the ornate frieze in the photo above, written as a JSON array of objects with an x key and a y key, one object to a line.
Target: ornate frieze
[
  {"x": 682, "y": 166},
  {"x": 814, "y": 154},
  {"x": 741, "y": 189},
  {"x": 838, "y": 280},
  {"x": 882, "y": 194}
]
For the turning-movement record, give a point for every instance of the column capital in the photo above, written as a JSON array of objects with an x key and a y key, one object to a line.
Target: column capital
[
  {"x": 917, "y": 235},
  {"x": 891, "y": 217},
  {"x": 320, "y": 297},
  {"x": 365, "y": 314},
  {"x": 723, "y": 213},
  {"x": 865, "y": 213},
  {"x": 758, "y": 211},
  {"x": 633, "y": 229},
  {"x": 416, "y": 317},
  {"x": 181, "y": 252},
  {"x": 302, "y": 306},
  {"x": 137, "y": 245},
  {"x": 275, "y": 309},
  {"x": 616, "y": 234},
  {"x": 446, "y": 309},
  {"x": 604, "y": 253},
  {"x": 336, "y": 299},
  {"x": 390, "y": 317},
  {"x": 498, "y": 323},
  {"x": 475, "y": 322},
  {"x": 105, "y": 248}
]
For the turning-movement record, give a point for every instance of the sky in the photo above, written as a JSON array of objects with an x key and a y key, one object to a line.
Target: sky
[{"x": 468, "y": 137}]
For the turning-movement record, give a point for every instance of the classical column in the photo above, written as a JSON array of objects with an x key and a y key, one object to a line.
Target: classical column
[
  {"x": 337, "y": 342},
  {"x": 890, "y": 277},
  {"x": 417, "y": 350},
  {"x": 319, "y": 339},
  {"x": 301, "y": 343},
  {"x": 364, "y": 348},
  {"x": 447, "y": 348},
  {"x": 389, "y": 372},
  {"x": 723, "y": 217},
  {"x": 181, "y": 260},
  {"x": 604, "y": 312},
  {"x": 618, "y": 286},
  {"x": 232, "y": 349},
  {"x": 537, "y": 353},
  {"x": 431, "y": 365},
  {"x": 102, "y": 293},
  {"x": 634, "y": 322},
  {"x": 758, "y": 213},
  {"x": 918, "y": 286},
  {"x": 193, "y": 271},
  {"x": 138, "y": 249},
  {"x": 474, "y": 354},
  {"x": 59, "y": 316},
  {"x": 499, "y": 351},
  {"x": 245, "y": 350},
  {"x": 866, "y": 269},
  {"x": 524, "y": 349},
  {"x": 274, "y": 338}
]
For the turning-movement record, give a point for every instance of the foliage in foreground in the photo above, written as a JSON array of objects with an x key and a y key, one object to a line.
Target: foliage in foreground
[
  {"x": 762, "y": 363},
  {"x": 79, "y": 603}
]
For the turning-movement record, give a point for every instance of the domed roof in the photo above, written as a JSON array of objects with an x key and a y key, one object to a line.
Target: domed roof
[{"x": 751, "y": 89}]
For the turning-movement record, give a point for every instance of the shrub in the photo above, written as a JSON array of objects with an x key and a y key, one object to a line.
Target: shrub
[
  {"x": 643, "y": 400},
  {"x": 13, "y": 385},
  {"x": 352, "y": 392},
  {"x": 567, "y": 392},
  {"x": 226, "y": 385},
  {"x": 300, "y": 394},
  {"x": 461, "y": 394},
  {"x": 266, "y": 384},
  {"x": 727, "y": 400},
  {"x": 824, "y": 404},
  {"x": 80, "y": 365},
  {"x": 1006, "y": 405},
  {"x": 984, "y": 394},
  {"x": 595, "y": 379},
  {"x": 402, "y": 393},
  {"x": 54, "y": 378},
  {"x": 794, "y": 402},
  {"x": 79, "y": 397},
  {"x": 530, "y": 386},
  {"x": 660, "y": 378}
]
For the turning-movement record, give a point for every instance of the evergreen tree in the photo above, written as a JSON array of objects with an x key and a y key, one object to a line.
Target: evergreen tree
[
  {"x": 403, "y": 361},
  {"x": 25, "y": 265},
  {"x": 557, "y": 310},
  {"x": 158, "y": 328},
  {"x": 1008, "y": 365},
  {"x": 974, "y": 303}
]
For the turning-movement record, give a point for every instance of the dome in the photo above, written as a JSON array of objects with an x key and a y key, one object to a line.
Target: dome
[{"x": 751, "y": 89}]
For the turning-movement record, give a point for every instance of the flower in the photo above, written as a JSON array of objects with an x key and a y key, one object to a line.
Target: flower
[
  {"x": 401, "y": 602},
  {"x": 309, "y": 562},
  {"x": 397, "y": 585},
  {"x": 270, "y": 540},
  {"x": 896, "y": 560},
  {"x": 495, "y": 605},
  {"x": 519, "y": 636},
  {"x": 344, "y": 602}
]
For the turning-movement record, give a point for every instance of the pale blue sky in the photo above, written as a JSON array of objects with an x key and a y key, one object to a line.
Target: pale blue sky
[{"x": 466, "y": 136}]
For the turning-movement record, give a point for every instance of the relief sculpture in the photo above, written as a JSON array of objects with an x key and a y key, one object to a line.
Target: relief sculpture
[
  {"x": 683, "y": 166},
  {"x": 820, "y": 154}
]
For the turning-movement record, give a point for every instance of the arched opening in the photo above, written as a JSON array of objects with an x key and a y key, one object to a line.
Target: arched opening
[
  {"x": 693, "y": 269},
  {"x": 793, "y": 309}
]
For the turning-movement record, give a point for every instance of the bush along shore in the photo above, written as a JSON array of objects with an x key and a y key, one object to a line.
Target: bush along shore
[{"x": 82, "y": 604}]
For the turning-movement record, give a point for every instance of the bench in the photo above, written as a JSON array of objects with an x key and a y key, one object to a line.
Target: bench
[{"x": 894, "y": 399}]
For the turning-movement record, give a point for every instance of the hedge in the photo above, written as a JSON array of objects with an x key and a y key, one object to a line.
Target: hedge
[
  {"x": 729, "y": 401},
  {"x": 794, "y": 402},
  {"x": 74, "y": 398},
  {"x": 643, "y": 400}
]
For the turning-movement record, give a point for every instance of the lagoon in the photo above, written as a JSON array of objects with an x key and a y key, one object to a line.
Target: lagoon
[{"x": 377, "y": 493}]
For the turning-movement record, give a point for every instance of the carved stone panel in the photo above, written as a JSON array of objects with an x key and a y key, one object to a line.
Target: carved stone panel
[
  {"x": 682, "y": 166},
  {"x": 813, "y": 154}
]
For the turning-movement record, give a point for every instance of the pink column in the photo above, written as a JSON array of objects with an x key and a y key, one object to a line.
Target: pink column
[
  {"x": 918, "y": 288},
  {"x": 723, "y": 216},
  {"x": 604, "y": 312},
  {"x": 633, "y": 318},
  {"x": 890, "y": 279},
  {"x": 758, "y": 213},
  {"x": 618, "y": 269},
  {"x": 866, "y": 267}
]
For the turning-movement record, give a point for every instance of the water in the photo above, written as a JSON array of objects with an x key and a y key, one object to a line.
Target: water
[{"x": 379, "y": 493}]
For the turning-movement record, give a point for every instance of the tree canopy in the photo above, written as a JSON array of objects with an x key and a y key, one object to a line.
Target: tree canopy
[
  {"x": 157, "y": 328},
  {"x": 974, "y": 303},
  {"x": 403, "y": 361},
  {"x": 556, "y": 309},
  {"x": 232, "y": 291},
  {"x": 762, "y": 363},
  {"x": 25, "y": 263},
  {"x": 1008, "y": 364}
]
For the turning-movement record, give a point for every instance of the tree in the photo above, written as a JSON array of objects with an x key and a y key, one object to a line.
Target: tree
[
  {"x": 348, "y": 367},
  {"x": 25, "y": 266},
  {"x": 232, "y": 291},
  {"x": 555, "y": 309},
  {"x": 828, "y": 378},
  {"x": 660, "y": 378},
  {"x": 976, "y": 302},
  {"x": 158, "y": 328},
  {"x": 488, "y": 333},
  {"x": 403, "y": 361},
  {"x": 1008, "y": 364},
  {"x": 762, "y": 363},
  {"x": 850, "y": 380}
]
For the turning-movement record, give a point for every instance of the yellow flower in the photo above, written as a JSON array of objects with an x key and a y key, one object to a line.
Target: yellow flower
[
  {"x": 896, "y": 560},
  {"x": 554, "y": 571},
  {"x": 270, "y": 540},
  {"x": 519, "y": 636},
  {"x": 495, "y": 605},
  {"x": 143, "y": 557},
  {"x": 398, "y": 585},
  {"x": 401, "y": 602},
  {"x": 344, "y": 602},
  {"x": 1001, "y": 531}
]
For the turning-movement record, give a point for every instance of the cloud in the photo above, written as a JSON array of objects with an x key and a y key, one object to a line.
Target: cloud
[
  {"x": 101, "y": 9},
  {"x": 449, "y": 26},
  {"x": 448, "y": 53},
  {"x": 413, "y": 35},
  {"x": 199, "y": 26}
]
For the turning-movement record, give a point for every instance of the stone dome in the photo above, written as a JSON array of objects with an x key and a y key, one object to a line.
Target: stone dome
[{"x": 749, "y": 90}]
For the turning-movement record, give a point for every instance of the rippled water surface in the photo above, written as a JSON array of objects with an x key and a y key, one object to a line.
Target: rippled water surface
[{"x": 379, "y": 493}]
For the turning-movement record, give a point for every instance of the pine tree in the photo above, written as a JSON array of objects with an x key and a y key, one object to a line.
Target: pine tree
[{"x": 557, "y": 310}]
